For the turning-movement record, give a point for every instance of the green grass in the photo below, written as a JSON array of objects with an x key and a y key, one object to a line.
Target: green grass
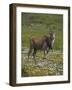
[{"x": 41, "y": 24}]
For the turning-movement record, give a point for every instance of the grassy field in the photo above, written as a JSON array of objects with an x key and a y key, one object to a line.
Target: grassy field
[
  {"x": 53, "y": 65},
  {"x": 39, "y": 25}
]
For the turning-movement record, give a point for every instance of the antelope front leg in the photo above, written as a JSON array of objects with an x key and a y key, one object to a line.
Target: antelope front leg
[
  {"x": 44, "y": 55},
  {"x": 34, "y": 53}
]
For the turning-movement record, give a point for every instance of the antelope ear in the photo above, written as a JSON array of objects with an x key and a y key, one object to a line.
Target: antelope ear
[{"x": 54, "y": 35}]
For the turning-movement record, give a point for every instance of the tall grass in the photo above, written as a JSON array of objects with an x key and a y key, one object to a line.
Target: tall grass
[{"x": 41, "y": 24}]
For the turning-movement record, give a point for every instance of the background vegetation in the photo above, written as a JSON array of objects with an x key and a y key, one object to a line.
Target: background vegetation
[{"x": 41, "y": 24}]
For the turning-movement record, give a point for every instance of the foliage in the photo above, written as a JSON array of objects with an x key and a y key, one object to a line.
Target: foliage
[
  {"x": 53, "y": 65},
  {"x": 41, "y": 24}
]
